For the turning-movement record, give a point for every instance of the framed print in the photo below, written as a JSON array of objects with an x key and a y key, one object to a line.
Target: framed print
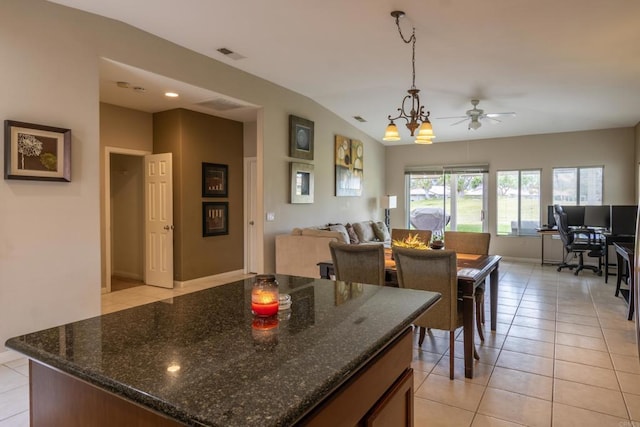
[
  {"x": 215, "y": 218},
  {"x": 349, "y": 161},
  {"x": 215, "y": 180},
  {"x": 36, "y": 152},
  {"x": 300, "y": 138},
  {"x": 301, "y": 182}
]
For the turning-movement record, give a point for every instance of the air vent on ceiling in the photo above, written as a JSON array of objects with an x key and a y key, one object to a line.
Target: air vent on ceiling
[
  {"x": 360, "y": 119},
  {"x": 220, "y": 104},
  {"x": 230, "y": 54}
]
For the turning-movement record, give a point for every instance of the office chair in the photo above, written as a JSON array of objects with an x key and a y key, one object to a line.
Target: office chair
[{"x": 577, "y": 242}]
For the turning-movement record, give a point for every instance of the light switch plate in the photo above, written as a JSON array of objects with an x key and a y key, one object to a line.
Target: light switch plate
[{"x": 271, "y": 216}]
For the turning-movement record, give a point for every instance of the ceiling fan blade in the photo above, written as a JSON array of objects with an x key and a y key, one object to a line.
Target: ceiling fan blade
[
  {"x": 492, "y": 115},
  {"x": 461, "y": 121},
  {"x": 452, "y": 117},
  {"x": 492, "y": 119}
]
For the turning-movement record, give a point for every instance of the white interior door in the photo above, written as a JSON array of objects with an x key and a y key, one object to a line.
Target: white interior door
[
  {"x": 158, "y": 192},
  {"x": 251, "y": 203}
]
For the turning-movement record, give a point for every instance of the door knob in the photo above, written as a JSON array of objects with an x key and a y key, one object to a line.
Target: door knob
[
  {"x": 168, "y": 227},
  {"x": 251, "y": 223}
]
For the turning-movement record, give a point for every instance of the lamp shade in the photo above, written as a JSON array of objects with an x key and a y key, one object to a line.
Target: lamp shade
[
  {"x": 424, "y": 139},
  {"x": 425, "y": 129},
  {"x": 389, "y": 202},
  {"x": 391, "y": 133},
  {"x": 475, "y": 124}
]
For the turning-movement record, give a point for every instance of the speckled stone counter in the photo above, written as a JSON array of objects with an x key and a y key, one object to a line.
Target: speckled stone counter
[{"x": 199, "y": 359}]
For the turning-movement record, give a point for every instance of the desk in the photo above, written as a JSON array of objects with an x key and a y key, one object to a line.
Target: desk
[
  {"x": 609, "y": 240},
  {"x": 547, "y": 232},
  {"x": 472, "y": 270},
  {"x": 624, "y": 253}
]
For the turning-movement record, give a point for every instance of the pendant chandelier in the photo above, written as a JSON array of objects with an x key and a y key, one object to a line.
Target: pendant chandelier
[{"x": 410, "y": 110}]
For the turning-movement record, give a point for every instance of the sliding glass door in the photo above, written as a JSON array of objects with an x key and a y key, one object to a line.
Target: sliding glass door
[{"x": 452, "y": 198}]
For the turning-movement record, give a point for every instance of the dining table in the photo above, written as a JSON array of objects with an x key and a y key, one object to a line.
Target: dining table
[{"x": 473, "y": 270}]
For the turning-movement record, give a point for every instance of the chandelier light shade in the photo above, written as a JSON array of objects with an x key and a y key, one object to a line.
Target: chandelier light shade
[{"x": 411, "y": 110}]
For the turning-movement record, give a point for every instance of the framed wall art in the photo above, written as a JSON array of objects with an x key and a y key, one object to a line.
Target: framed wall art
[
  {"x": 36, "y": 152},
  {"x": 349, "y": 160},
  {"x": 300, "y": 138},
  {"x": 215, "y": 180},
  {"x": 215, "y": 218},
  {"x": 301, "y": 182}
]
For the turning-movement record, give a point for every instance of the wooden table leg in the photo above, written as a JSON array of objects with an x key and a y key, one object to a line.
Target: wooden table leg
[
  {"x": 494, "y": 298},
  {"x": 469, "y": 328}
]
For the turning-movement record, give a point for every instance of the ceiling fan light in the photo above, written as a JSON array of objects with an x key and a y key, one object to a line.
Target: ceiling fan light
[
  {"x": 474, "y": 124},
  {"x": 391, "y": 133},
  {"x": 425, "y": 129}
]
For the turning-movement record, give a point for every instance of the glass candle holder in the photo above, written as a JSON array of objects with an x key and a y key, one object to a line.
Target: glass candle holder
[{"x": 264, "y": 295}]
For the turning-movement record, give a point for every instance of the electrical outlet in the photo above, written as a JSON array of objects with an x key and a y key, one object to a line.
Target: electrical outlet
[{"x": 271, "y": 216}]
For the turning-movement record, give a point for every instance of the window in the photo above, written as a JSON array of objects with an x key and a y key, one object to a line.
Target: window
[
  {"x": 577, "y": 186},
  {"x": 518, "y": 202},
  {"x": 447, "y": 198}
]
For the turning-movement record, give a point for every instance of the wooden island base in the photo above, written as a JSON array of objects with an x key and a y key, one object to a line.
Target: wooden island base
[{"x": 378, "y": 395}]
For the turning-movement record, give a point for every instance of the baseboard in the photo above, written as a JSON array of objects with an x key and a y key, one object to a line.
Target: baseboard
[
  {"x": 527, "y": 260},
  {"x": 207, "y": 279}
]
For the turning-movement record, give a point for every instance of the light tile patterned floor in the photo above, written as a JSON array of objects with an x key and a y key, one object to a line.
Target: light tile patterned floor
[{"x": 563, "y": 355}]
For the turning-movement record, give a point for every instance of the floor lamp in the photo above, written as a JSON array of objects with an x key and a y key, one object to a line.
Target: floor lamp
[{"x": 388, "y": 203}]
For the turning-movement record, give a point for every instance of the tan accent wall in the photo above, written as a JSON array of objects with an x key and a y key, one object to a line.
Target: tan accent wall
[
  {"x": 195, "y": 138},
  {"x": 612, "y": 148}
]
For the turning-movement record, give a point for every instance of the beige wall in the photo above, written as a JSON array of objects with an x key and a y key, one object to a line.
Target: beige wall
[
  {"x": 637, "y": 162},
  {"x": 51, "y": 275},
  {"x": 612, "y": 148},
  {"x": 195, "y": 138}
]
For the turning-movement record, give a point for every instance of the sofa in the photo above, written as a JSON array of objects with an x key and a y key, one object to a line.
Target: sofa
[{"x": 299, "y": 252}]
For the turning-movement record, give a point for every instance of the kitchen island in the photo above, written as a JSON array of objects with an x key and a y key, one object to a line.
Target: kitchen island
[{"x": 341, "y": 353}]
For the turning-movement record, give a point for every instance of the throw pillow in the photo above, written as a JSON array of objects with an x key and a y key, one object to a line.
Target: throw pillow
[
  {"x": 364, "y": 230},
  {"x": 341, "y": 229},
  {"x": 353, "y": 237},
  {"x": 381, "y": 231}
]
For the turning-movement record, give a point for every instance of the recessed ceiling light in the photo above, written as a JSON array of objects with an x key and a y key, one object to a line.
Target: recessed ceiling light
[{"x": 171, "y": 94}]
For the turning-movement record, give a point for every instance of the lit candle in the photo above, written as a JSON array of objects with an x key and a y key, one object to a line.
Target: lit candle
[{"x": 264, "y": 296}]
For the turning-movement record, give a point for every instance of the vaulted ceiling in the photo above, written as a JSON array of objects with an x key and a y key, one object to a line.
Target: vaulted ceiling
[{"x": 560, "y": 65}]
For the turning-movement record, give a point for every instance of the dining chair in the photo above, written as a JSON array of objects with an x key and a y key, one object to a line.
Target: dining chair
[
  {"x": 436, "y": 271},
  {"x": 403, "y": 233},
  {"x": 358, "y": 263},
  {"x": 465, "y": 242}
]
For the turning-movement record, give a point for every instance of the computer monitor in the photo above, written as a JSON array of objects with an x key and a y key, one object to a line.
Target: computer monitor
[
  {"x": 623, "y": 219},
  {"x": 575, "y": 215},
  {"x": 551, "y": 220},
  {"x": 597, "y": 216}
]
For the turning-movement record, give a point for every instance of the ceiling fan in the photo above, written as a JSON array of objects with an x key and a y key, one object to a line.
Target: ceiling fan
[{"x": 476, "y": 114}]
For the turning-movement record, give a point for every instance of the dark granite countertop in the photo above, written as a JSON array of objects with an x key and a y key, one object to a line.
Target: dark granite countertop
[{"x": 231, "y": 374}]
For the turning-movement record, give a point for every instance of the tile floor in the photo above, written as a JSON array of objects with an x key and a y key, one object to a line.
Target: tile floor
[{"x": 563, "y": 355}]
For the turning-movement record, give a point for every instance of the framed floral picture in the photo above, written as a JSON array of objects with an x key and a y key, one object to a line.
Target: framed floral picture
[{"x": 36, "y": 152}]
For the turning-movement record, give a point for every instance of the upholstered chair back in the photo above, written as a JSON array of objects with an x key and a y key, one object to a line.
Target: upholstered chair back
[
  {"x": 432, "y": 270},
  {"x": 362, "y": 263},
  {"x": 464, "y": 242}
]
